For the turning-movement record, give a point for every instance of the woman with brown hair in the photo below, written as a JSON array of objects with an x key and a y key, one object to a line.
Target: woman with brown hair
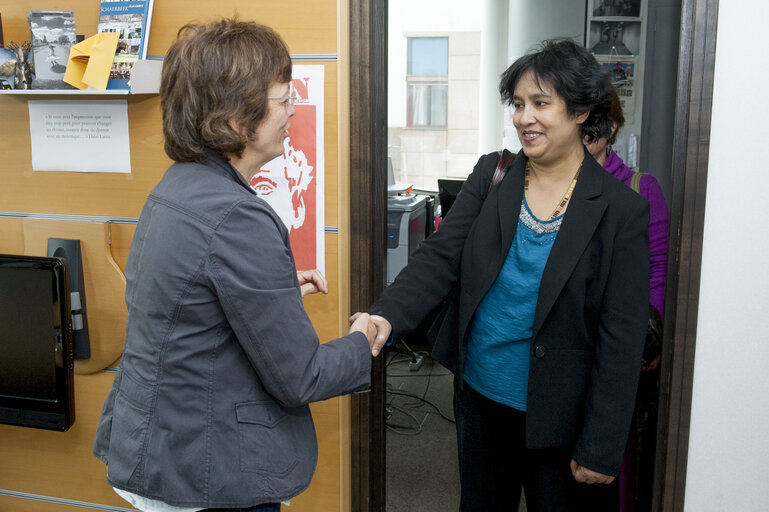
[{"x": 209, "y": 408}]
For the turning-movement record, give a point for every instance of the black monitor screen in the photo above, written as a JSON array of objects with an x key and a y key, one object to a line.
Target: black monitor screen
[
  {"x": 27, "y": 340},
  {"x": 36, "y": 364},
  {"x": 448, "y": 190}
]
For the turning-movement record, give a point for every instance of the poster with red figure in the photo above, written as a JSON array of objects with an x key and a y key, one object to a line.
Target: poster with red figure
[{"x": 292, "y": 183}]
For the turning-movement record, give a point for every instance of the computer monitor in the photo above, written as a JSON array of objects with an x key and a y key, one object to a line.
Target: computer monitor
[
  {"x": 36, "y": 359},
  {"x": 447, "y": 193}
]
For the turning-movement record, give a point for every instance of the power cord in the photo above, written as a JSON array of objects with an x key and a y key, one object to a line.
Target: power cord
[
  {"x": 417, "y": 358},
  {"x": 416, "y": 400},
  {"x": 403, "y": 430},
  {"x": 411, "y": 395}
]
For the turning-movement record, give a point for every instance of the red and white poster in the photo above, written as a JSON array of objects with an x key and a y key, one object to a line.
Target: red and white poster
[{"x": 293, "y": 183}]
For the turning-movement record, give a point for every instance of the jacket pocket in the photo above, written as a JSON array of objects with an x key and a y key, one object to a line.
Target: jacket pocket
[
  {"x": 128, "y": 437},
  {"x": 273, "y": 438}
]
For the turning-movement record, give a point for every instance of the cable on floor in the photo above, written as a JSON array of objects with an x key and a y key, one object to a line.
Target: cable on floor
[{"x": 411, "y": 395}]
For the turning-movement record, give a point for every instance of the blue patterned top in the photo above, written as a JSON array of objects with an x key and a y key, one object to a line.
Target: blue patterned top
[{"x": 497, "y": 363}]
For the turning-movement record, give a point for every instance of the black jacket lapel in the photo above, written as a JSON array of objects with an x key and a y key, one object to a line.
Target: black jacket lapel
[{"x": 583, "y": 214}]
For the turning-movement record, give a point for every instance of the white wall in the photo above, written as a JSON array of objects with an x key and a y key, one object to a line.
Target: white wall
[
  {"x": 419, "y": 16},
  {"x": 533, "y": 21},
  {"x": 530, "y": 23},
  {"x": 728, "y": 465}
]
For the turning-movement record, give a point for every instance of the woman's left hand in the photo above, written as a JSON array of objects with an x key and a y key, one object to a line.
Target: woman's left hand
[
  {"x": 588, "y": 476},
  {"x": 312, "y": 281}
]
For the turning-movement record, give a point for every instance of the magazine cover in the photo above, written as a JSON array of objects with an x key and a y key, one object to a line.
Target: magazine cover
[
  {"x": 130, "y": 19},
  {"x": 52, "y": 35}
]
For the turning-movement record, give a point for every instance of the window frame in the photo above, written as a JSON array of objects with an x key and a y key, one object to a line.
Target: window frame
[{"x": 414, "y": 80}]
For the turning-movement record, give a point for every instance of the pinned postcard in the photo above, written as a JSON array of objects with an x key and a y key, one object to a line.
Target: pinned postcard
[{"x": 90, "y": 61}]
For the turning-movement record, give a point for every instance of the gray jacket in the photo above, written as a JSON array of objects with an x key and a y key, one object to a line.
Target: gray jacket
[{"x": 209, "y": 405}]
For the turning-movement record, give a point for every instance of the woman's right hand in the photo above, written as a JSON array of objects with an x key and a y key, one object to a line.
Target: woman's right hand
[{"x": 382, "y": 329}]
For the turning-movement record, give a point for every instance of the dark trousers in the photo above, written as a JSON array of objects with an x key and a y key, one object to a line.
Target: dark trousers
[{"x": 494, "y": 464}]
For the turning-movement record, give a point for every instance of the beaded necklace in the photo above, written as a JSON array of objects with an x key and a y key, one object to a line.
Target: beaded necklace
[{"x": 566, "y": 196}]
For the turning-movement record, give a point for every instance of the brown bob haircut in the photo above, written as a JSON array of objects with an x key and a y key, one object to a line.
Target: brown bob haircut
[{"x": 213, "y": 73}]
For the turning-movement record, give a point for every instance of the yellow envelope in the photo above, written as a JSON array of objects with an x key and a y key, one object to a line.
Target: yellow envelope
[{"x": 90, "y": 61}]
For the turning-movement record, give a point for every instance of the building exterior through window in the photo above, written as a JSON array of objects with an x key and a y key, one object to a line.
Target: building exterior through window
[
  {"x": 433, "y": 105},
  {"x": 427, "y": 81}
]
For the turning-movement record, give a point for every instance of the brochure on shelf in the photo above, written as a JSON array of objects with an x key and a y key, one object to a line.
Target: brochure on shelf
[{"x": 131, "y": 20}]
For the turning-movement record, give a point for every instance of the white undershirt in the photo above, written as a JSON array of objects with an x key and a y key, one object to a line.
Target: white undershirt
[{"x": 149, "y": 505}]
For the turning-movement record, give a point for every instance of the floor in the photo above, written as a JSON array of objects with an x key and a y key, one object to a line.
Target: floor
[{"x": 422, "y": 472}]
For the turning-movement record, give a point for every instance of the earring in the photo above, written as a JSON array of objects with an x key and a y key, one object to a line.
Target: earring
[{"x": 608, "y": 149}]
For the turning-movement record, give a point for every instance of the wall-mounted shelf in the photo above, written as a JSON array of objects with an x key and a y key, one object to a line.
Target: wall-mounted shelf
[
  {"x": 145, "y": 79},
  {"x": 65, "y": 92}
]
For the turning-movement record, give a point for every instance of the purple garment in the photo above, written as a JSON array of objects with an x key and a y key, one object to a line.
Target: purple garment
[{"x": 659, "y": 219}]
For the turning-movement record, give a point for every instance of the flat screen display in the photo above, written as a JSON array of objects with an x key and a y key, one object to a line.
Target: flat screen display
[
  {"x": 27, "y": 341},
  {"x": 448, "y": 189},
  {"x": 36, "y": 382}
]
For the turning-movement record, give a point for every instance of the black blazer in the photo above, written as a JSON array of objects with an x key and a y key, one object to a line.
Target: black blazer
[{"x": 591, "y": 314}]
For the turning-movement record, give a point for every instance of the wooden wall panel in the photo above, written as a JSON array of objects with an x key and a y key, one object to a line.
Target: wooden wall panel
[
  {"x": 121, "y": 236},
  {"x": 324, "y": 493},
  {"x": 323, "y": 308},
  {"x": 60, "y": 465},
  {"x": 307, "y": 27},
  {"x": 331, "y": 146},
  {"x": 15, "y": 504},
  {"x": 11, "y": 237}
]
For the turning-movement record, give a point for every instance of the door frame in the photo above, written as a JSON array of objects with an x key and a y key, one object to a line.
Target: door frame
[{"x": 368, "y": 209}]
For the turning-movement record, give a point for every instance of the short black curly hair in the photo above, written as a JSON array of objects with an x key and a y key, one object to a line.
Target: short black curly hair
[{"x": 574, "y": 74}]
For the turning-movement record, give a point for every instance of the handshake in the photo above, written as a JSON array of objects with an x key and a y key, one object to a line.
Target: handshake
[{"x": 376, "y": 328}]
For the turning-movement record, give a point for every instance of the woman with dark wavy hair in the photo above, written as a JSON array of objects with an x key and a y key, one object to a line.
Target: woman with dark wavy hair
[
  {"x": 209, "y": 408},
  {"x": 543, "y": 277}
]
